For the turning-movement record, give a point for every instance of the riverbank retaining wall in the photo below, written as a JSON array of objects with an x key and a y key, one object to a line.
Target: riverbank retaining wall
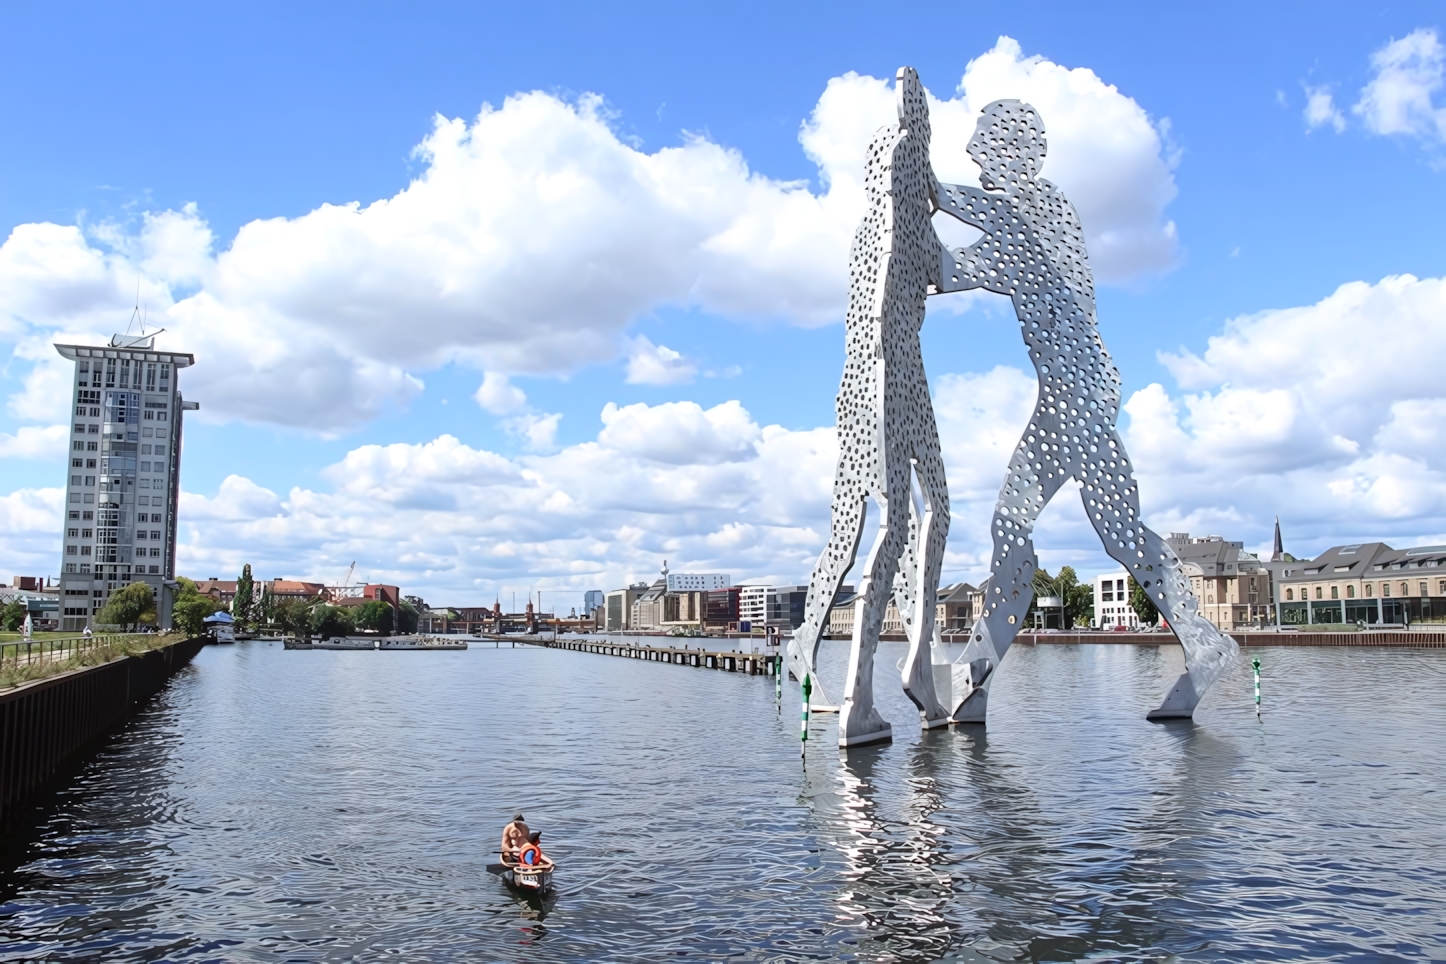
[{"x": 45, "y": 723}]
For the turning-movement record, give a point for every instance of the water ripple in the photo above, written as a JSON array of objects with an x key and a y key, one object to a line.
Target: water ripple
[{"x": 341, "y": 806}]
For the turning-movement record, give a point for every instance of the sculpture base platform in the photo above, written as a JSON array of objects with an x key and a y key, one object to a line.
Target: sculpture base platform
[
  {"x": 818, "y": 708},
  {"x": 934, "y": 724},
  {"x": 886, "y": 735}
]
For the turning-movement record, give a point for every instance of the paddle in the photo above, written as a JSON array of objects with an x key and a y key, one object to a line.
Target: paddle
[{"x": 498, "y": 869}]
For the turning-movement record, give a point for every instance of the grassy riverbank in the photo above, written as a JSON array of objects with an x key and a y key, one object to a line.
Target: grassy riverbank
[{"x": 53, "y": 653}]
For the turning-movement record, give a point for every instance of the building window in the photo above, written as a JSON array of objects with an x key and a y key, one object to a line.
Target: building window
[
  {"x": 92, "y": 446},
  {"x": 155, "y": 552},
  {"x": 94, "y": 429},
  {"x": 1441, "y": 587},
  {"x": 160, "y": 450},
  {"x": 1423, "y": 588},
  {"x": 85, "y": 550},
  {"x": 155, "y": 570},
  {"x": 71, "y": 550},
  {"x": 1405, "y": 589},
  {"x": 145, "y": 450},
  {"x": 86, "y": 516},
  {"x": 1350, "y": 592},
  {"x": 1290, "y": 594},
  {"x": 1335, "y": 592},
  {"x": 73, "y": 533},
  {"x": 155, "y": 534},
  {"x": 1317, "y": 592}
]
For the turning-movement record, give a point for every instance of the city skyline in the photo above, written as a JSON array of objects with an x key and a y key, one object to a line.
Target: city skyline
[{"x": 597, "y": 324}]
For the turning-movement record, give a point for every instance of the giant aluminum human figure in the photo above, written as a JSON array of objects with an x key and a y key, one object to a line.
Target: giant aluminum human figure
[
  {"x": 888, "y": 440},
  {"x": 1033, "y": 251}
]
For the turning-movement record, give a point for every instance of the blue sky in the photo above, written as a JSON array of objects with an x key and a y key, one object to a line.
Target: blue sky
[{"x": 1258, "y": 204}]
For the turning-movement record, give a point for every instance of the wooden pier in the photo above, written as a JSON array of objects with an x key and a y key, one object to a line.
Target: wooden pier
[{"x": 754, "y": 664}]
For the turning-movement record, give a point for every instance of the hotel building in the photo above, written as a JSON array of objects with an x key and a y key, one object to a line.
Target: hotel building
[{"x": 124, "y": 475}]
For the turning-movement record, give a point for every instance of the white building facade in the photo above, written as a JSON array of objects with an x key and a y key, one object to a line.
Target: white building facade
[
  {"x": 1112, "y": 602},
  {"x": 123, "y": 474}
]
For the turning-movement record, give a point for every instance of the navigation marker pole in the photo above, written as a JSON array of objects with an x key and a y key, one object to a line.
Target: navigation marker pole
[
  {"x": 803, "y": 729},
  {"x": 1255, "y": 665}
]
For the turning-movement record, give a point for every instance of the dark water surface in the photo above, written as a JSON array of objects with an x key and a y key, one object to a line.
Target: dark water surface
[{"x": 275, "y": 805}]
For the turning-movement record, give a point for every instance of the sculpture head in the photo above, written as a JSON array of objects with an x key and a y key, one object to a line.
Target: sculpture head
[
  {"x": 1008, "y": 145},
  {"x": 912, "y": 103}
]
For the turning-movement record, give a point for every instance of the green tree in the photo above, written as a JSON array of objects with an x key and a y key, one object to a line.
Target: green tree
[
  {"x": 267, "y": 608},
  {"x": 328, "y": 621},
  {"x": 12, "y": 615},
  {"x": 376, "y": 615},
  {"x": 191, "y": 608},
  {"x": 241, "y": 603},
  {"x": 1142, "y": 604},
  {"x": 1077, "y": 600},
  {"x": 128, "y": 606},
  {"x": 407, "y": 618},
  {"x": 294, "y": 616}
]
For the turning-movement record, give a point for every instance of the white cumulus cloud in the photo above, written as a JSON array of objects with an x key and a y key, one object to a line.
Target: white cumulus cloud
[
  {"x": 534, "y": 236},
  {"x": 1328, "y": 415},
  {"x": 1400, "y": 97},
  {"x": 650, "y": 364},
  {"x": 1321, "y": 109},
  {"x": 498, "y": 395}
]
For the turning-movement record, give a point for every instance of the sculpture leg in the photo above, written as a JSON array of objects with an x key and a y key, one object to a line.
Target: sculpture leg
[
  {"x": 1025, "y": 493},
  {"x": 1112, "y": 500},
  {"x": 859, "y": 721},
  {"x": 916, "y": 586},
  {"x": 828, "y": 575}
]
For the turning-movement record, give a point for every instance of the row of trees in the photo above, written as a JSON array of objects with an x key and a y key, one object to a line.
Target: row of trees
[
  {"x": 134, "y": 605},
  {"x": 304, "y": 616},
  {"x": 1078, "y": 599}
]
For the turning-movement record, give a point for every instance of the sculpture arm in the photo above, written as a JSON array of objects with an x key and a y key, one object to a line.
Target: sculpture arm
[{"x": 976, "y": 266}]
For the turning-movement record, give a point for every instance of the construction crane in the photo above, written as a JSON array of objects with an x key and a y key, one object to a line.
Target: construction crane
[{"x": 346, "y": 580}]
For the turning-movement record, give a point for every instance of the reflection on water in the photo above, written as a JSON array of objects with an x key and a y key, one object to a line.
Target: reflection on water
[{"x": 331, "y": 806}]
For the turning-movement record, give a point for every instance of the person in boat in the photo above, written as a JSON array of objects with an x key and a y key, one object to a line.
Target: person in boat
[
  {"x": 531, "y": 854},
  {"x": 515, "y": 836}
]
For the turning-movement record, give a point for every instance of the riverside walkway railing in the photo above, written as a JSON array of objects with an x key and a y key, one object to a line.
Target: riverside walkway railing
[{"x": 26, "y": 660}]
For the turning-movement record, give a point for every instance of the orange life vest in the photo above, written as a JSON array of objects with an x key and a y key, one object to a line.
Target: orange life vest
[{"x": 530, "y": 854}]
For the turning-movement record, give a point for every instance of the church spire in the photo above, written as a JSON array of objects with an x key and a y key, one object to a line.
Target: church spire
[{"x": 1277, "y": 554}]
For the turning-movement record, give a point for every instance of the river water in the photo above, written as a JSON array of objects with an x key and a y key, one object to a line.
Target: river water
[{"x": 309, "y": 806}]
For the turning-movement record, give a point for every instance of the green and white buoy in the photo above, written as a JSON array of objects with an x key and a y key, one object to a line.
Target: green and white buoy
[
  {"x": 1255, "y": 665},
  {"x": 803, "y": 729}
]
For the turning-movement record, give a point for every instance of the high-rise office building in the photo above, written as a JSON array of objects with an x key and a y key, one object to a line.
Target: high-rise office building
[{"x": 124, "y": 475}]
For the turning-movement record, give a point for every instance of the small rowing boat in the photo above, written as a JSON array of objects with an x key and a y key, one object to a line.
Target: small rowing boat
[{"x": 529, "y": 878}]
